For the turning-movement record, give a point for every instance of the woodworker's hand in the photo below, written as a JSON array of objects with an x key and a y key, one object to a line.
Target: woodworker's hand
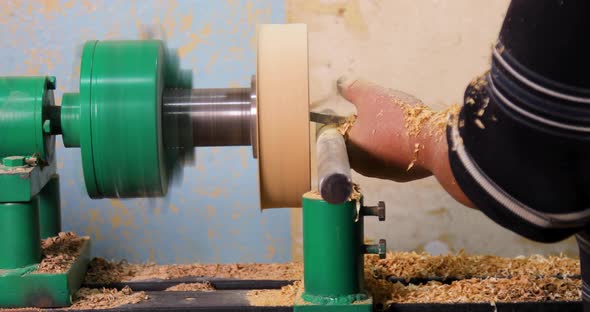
[{"x": 397, "y": 137}]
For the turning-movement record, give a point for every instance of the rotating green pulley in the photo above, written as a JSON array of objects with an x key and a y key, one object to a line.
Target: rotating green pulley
[{"x": 116, "y": 119}]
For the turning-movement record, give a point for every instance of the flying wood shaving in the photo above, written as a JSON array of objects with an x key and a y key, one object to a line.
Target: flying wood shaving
[
  {"x": 346, "y": 125},
  {"x": 416, "y": 151},
  {"x": 479, "y": 124},
  {"x": 356, "y": 192},
  {"x": 479, "y": 82},
  {"x": 482, "y": 110},
  {"x": 87, "y": 298}
]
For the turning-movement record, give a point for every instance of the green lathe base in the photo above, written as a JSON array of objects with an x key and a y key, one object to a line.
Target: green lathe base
[
  {"x": 301, "y": 305},
  {"x": 23, "y": 288}
]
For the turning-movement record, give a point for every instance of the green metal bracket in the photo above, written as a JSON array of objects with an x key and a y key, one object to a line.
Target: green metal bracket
[
  {"x": 333, "y": 249},
  {"x": 23, "y": 287},
  {"x": 21, "y": 184},
  {"x": 50, "y": 209},
  {"x": 20, "y": 241}
]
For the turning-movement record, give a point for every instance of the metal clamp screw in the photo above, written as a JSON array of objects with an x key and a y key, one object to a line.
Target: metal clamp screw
[
  {"x": 378, "y": 211},
  {"x": 377, "y": 249}
]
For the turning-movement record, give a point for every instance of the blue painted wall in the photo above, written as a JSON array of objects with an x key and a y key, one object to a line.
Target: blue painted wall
[{"x": 214, "y": 214}]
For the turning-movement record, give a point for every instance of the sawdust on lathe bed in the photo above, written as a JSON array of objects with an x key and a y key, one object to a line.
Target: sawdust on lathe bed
[
  {"x": 105, "y": 298},
  {"x": 60, "y": 252},
  {"x": 518, "y": 279},
  {"x": 500, "y": 275},
  {"x": 204, "y": 286},
  {"x": 505, "y": 279},
  {"x": 421, "y": 265},
  {"x": 398, "y": 264},
  {"x": 274, "y": 297},
  {"x": 516, "y": 289},
  {"x": 101, "y": 271}
]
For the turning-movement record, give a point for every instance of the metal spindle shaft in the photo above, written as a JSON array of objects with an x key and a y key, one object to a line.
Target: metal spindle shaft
[{"x": 217, "y": 117}]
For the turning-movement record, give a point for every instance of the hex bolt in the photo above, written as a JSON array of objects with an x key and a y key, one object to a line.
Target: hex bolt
[
  {"x": 13, "y": 161},
  {"x": 50, "y": 82},
  {"x": 377, "y": 249},
  {"x": 377, "y": 211}
]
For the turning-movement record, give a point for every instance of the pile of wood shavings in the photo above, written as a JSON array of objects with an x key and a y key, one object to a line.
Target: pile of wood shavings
[
  {"x": 87, "y": 298},
  {"x": 60, "y": 252},
  {"x": 421, "y": 265},
  {"x": 101, "y": 271},
  {"x": 205, "y": 286},
  {"x": 274, "y": 297},
  {"x": 516, "y": 289}
]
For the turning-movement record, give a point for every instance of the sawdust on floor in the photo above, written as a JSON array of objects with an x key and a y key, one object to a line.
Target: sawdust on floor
[
  {"x": 105, "y": 298},
  {"x": 204, "y": 286},
  {"x": 60, "y": 252},
  {"x": 274, "y": 297}
]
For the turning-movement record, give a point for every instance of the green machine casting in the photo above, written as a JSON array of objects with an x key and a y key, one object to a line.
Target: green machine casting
[
  {"x": 333, "y": 255},
  {"x": 29, "y": 197}
]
